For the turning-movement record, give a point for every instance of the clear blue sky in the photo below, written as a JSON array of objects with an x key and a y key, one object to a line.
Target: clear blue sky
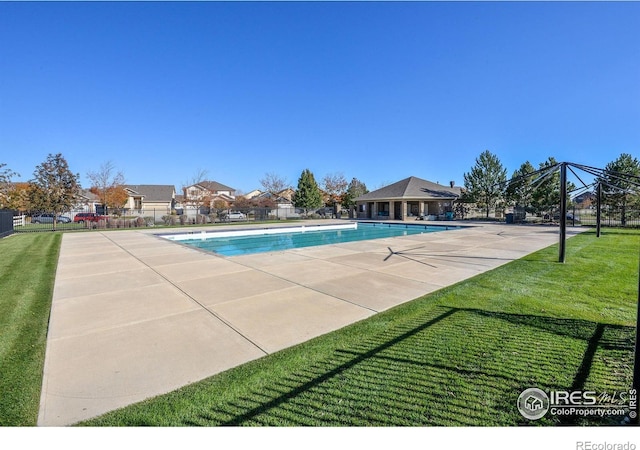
[{"x": 376, "y": 91}]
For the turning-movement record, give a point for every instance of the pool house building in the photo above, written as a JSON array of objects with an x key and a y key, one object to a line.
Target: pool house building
[{"x": 409, "y": 199}]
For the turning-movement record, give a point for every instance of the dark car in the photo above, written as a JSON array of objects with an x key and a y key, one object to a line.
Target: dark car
[
  {"x": 48, "y": 218},
  {"x": 327, "y": 211},
  {"x": 88, "y": 217}
]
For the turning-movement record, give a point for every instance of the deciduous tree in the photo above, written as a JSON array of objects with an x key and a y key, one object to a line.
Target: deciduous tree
[
  {"x": 5, "y": 184},
  {"x": 335, "y": 185},
  {"x": 107, "y": 183},
  {"x": 18, "y": 197},
  {"x": 273, "y": 183},
  {"x": 54, "y": 188},
  {"x": 197, "y": 199}
]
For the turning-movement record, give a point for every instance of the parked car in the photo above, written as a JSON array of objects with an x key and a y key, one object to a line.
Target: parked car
[
  {"x": 327, "y": 211},
  {"x": 234, "y": 215},
  {"x": 570, "y": 216},
  {"x": 88, "y": 217},
  {"x": 48, "y": 218}
]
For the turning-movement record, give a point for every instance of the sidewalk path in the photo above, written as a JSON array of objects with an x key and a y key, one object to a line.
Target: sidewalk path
[{"x": 135, "y": 316}]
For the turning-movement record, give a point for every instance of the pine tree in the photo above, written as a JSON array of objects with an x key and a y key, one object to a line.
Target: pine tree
[
  {"x": 308, "y": 195},
  {"x": 485, "y": 183},
  {"x": 619, "y": 184},
  {"x": 520, "y": 190},
  {"x": 355, "y": 189}
]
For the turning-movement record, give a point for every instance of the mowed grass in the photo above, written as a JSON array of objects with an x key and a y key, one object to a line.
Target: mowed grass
[
  {"x": 27, "y": 272},
  {"x": 460, "y": 356}
]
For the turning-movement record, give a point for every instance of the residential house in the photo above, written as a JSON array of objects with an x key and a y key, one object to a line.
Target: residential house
[
  {"x": 284, "y": 203},
  {"x": 411, "y": 198},
  {"x": 252, "y": 194},
  {"x": 150, "y": 198},
  {"x": 200, "y": 197},
  {"x": 86, "y": 201},
  {"x": 585, "y": 200}
]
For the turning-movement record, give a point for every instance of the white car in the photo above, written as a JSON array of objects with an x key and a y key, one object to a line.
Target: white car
[{"x": 234, "y": 215}]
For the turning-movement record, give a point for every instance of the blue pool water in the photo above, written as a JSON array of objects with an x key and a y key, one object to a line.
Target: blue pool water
[{"x": 243, "y": 245}]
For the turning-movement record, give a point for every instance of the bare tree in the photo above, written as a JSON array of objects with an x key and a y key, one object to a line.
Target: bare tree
[
  {"x": 273, "y": 183},
  {"x": 107, "y": 183},
  {"x": 198, "y": 176},
  {"x": 196, "y": 198},
  {"x": 335, "y": 185}
]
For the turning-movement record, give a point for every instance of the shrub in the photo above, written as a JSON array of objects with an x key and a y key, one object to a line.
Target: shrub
[{"x": 170, "y": 219}]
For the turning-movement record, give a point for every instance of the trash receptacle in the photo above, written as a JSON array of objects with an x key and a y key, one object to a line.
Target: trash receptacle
[{"x": 509, "y": 218}]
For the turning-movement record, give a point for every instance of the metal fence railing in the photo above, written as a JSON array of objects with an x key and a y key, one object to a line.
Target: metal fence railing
[
  {"x": 610, "y": 217},
  {"x": 79, "y": 220}
]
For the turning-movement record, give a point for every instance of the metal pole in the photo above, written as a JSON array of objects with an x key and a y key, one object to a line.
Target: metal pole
[
  {"x": 636, "y": 362},
  {"x": 563, "y": 211},
  {"x": 598, "y": 208}
]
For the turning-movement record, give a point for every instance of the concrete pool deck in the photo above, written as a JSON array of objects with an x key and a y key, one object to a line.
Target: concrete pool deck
[{"x": 135, "y": 316}]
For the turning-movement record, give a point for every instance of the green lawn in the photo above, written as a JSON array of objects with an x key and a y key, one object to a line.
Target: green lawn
[
  {"x": 27, "y": 271},
  {"x": 459, "y": 356}
]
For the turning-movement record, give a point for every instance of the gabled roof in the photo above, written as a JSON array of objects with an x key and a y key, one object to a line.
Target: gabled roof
[
  {"x": 277, "y": 198},
  {"x": 214, "y": 186},
  {"x": 254, "y": 193},
  {"x": 413, "y": 188},
  {"x": 88, "y": 195},
  {"x": 153, "y": 192},
  {"x": 287, "y": 193}
]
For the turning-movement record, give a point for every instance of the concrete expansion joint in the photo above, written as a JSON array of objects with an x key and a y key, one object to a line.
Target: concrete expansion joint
[{"x": 182, "y": 291}]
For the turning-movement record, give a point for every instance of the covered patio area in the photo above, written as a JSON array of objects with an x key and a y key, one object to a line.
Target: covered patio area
[{"x": 409, "y": 199}]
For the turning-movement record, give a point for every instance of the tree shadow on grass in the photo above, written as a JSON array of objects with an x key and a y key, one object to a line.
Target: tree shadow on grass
[{"x": 450, "y": 367}]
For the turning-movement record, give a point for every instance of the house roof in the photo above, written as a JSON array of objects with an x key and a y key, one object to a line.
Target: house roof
[
  {"x": 277, "y": 198},
  {"x": 413, "y": 188},
  {"x": 214, "y": 186},
  {"x": 287, "y": 194},
  {"x": 88, "y": 195},
  {"x": 153, "y": 192},
  {"x": 254, "y": 193}
]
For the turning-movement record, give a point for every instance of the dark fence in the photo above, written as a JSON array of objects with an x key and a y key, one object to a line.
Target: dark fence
[
  {"x": 78, "y": 220},
  {"x": 6, "y": 223},
  {"x": 608, "y": 218}
]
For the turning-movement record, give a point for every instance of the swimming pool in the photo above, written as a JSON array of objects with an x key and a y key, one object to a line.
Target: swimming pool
[{"x": 243, "y": 242}]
